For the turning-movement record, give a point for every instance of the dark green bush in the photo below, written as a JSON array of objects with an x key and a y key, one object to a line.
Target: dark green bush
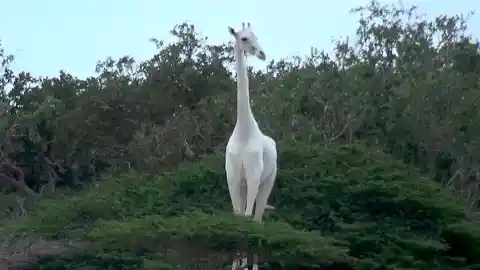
[{"x": 344, "y": 203}]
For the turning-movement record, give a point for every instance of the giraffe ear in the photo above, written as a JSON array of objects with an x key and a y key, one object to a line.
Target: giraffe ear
[{"x": 232, "y": 31}]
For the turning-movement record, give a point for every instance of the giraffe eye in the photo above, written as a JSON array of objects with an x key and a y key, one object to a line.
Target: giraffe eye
[{"x": 244, "y": 39}]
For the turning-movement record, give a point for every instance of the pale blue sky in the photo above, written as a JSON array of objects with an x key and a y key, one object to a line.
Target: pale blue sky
[{"x": 50, "y": 35}]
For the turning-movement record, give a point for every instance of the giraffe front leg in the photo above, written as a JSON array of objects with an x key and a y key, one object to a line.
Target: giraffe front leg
[
  {"x": 253, "y": 174},
  {"x": 234, "y": 179},
  {"x": 253, "y": 183}
]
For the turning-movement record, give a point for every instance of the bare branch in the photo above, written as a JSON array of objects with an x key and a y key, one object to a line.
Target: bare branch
[
  {"x": 21, "y": 201},
  {"x": 188, "y": 152},
  {"x": 454, "y": 176},
  {"x": 341, "y": 131},
  {"x": 18, "y": 183}
]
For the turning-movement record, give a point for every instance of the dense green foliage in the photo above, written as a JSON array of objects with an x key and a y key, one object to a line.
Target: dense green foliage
[
  {"x": 374, "y": 138},
  {"x": 346, "y": 204}
]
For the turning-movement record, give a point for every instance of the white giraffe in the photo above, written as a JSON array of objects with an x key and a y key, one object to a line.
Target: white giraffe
[{"x": 251, "y": 156}]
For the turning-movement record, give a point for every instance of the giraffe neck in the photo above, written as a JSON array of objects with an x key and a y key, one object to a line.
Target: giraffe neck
[{"x": 245, "y": 120}]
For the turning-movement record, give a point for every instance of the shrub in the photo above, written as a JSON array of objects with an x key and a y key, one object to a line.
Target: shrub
[{"x": 337, "y": 203}]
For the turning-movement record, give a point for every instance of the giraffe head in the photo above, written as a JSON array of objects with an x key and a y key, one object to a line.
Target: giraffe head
[{"x": 247, "y": 41}]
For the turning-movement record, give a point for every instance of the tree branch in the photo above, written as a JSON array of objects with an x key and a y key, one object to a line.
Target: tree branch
[{"x": 18, "y": 183}]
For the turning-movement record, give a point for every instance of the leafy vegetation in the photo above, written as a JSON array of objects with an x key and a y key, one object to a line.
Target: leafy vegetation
[
  {"x": 378, "y": 155},
  {"x": 346, "y": 204}
]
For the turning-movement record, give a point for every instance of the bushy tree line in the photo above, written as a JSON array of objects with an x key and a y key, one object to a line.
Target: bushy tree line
[{"x": 405, "y": 84}]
